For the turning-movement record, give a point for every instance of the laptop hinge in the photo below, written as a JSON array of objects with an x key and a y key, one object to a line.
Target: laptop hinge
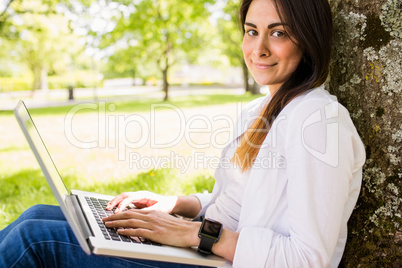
[{"x": 80, "y": 216}]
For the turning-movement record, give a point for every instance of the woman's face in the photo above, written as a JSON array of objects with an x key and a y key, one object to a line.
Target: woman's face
[{"x": 270, "y": 54}]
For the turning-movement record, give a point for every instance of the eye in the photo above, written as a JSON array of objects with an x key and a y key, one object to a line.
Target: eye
[
  {"x": 252, "y": 32},
  {"x": 278, "y": 34}
]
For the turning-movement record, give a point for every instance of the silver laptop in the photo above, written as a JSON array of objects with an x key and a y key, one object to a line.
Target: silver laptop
[{"x": 84, "y": 210}]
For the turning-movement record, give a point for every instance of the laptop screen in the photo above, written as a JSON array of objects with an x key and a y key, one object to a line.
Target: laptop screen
[{"x": 41, "y": 153}]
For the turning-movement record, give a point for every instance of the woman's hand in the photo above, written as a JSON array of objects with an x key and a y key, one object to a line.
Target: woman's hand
[
  {"x": 143, "y": 200},
  {"x": 156, "y": 226}
]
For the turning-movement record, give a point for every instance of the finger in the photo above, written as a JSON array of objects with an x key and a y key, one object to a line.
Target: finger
[
  {"x": 128, "y": 220},
  {"x": 128, "y": 223},
  {"x": 115, "y": 201},
  {"x": 136, "y": 233},
  {"x": 123, "y": 204},
  {"x": 143, "y": 202},
  {"x": 132, "y": 214}
]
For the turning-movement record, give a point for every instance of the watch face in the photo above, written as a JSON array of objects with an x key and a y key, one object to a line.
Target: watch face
[{"x": 211, "y": 228}]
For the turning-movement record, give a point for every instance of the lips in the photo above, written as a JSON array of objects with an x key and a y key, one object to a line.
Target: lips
[{"x": 263, "y": 66}]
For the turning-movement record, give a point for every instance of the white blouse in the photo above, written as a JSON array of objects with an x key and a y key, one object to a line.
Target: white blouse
[{"x": 291, "y": 208}]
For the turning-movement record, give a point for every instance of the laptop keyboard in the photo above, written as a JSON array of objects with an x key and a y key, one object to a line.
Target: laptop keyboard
[{"x": 98, "y": 208}]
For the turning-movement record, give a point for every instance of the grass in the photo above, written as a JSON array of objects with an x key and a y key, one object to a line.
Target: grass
[
  {"x": 144, "y": 105},
  {"x": 20, "y": 190},
  {"x": 23, "y": 188},
  {"x": 28, "y": 187},
  {"x": 13, "y": 149}
]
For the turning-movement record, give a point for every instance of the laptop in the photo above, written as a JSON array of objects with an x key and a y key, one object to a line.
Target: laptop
[{"x": 84, "y": 210}]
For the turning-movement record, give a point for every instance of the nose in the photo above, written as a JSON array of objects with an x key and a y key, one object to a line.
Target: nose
[{"x": 261, "y": 48}]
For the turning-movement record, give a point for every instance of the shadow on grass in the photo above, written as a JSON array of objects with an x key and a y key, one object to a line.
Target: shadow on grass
[{"x": 28, "y": 187}]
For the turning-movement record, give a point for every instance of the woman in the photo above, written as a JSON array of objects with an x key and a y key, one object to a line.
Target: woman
[{"x": 285, "y": 196}]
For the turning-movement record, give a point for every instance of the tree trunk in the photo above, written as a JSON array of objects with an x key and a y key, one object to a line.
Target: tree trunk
[
  {"x": 44, "y": 84},
  {"x": 165, "y": 83},
  {"x": 256, "y": 88},
  {"x": 165, "y": 68},
  {"x": 366, "y": 77},
  {"x": 245, "y": 76},
  {"x": 37, "y": 76}
]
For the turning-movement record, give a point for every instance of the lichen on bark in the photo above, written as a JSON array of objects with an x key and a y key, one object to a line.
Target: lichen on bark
[{"x": 366, "y": 76}]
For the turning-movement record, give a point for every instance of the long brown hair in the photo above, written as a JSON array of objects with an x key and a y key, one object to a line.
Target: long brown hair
[{"x": 309, "y": 24}]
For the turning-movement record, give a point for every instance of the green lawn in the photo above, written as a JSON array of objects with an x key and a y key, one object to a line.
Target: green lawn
[
  {"x": 144, "y": 105},
  {"x": 26, "y": 186}
]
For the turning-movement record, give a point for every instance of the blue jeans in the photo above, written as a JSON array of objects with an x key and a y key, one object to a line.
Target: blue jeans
[{"x": 41, "y": 237}]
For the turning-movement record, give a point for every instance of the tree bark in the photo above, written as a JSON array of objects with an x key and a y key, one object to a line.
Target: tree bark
[{"x": 366, "y": 76}]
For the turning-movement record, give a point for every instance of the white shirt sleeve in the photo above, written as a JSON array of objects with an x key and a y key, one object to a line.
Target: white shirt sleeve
[
  {"x": 204, "y": 199},
  {"x": 323, "y": 155}
]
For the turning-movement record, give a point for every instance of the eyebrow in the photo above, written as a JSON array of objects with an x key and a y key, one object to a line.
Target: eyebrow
[{"x": 272, "y": 25}]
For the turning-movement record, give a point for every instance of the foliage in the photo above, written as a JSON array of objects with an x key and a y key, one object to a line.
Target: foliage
[
  {"x": 230, "y": 32},
  {"x": 142, "y": 39},
  {"x": 229, "y": 27},
  {"x": 157, "y": 34},
  {"x": 81, "y": 79},
  {"x": 37, "y": 34},
  {"x": 8, "y": 84}
]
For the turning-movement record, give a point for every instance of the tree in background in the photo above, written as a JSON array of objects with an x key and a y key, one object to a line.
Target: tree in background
[
  {"x": 230, "y": 32},
  {"x": 38, "y": 34},
  {"x": 366, "y": 77},
  {"x": 162, "y": 32},
  {"x": 44, "y": 41},
  {"x": 231, "y": 35}
]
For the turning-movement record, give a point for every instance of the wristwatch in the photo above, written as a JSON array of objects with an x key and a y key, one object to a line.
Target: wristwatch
[{"x": 210, "y": 232}]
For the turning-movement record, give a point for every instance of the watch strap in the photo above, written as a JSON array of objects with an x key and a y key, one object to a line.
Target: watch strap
[{"x": 206, "y": 244}]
